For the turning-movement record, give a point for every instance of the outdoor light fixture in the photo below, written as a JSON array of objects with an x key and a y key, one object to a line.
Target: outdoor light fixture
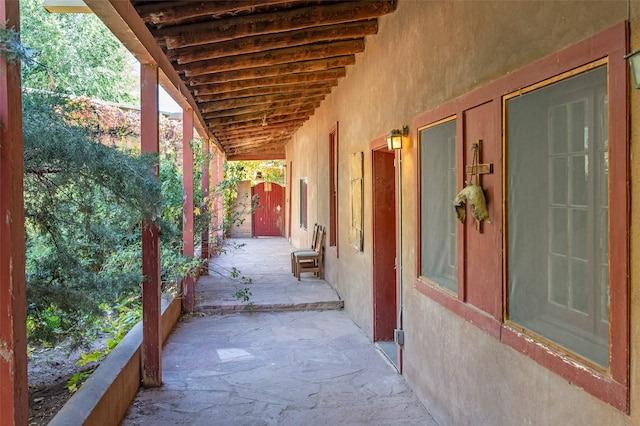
[
  {"x": 394, "y": 140},
  {"x": 634, "y": 64}
]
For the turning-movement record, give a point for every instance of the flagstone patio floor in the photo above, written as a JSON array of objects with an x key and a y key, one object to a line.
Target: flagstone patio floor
[{"x": 293, "y": 357}]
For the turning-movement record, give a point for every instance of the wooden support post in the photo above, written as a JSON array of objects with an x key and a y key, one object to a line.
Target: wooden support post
[
  {"x": 188, "y": 283},
  {"x": 151, "y": 287},
  {"x": 215, "y": 203},
  {"x": 219, "y": 204},
  {"x": 204, "y": 253},
  {"x": 14, "y": 405},
  {"x": 221, "y": 162}
]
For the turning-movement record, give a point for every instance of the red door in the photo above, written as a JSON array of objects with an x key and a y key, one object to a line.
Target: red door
[
  {"x": 268, "y": 218},
  {"x": 385, "y": 300}
]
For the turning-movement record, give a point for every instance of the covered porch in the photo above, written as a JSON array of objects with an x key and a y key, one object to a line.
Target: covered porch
[
  {"x": 289, "y": 356},
  {"x": 250, "y": 112},
  {"x": 489, "y": 325}
]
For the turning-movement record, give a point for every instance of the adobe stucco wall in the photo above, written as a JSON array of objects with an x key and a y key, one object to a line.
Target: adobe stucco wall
[
  {"x": 425, "y": 54},
  {"x": 243, "y": 228}
]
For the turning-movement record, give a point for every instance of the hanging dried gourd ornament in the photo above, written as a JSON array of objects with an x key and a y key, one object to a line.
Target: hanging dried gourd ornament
[{"x": 472, "y": 194}]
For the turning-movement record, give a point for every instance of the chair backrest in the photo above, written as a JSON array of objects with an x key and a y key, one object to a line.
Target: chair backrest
[
  {"x": 314, "y": 238},
  {"x": 320, "y": 251},
  {"x": 320, "y": 243}
]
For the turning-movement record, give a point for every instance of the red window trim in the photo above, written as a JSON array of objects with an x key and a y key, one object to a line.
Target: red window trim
[
  {"x": 612, "y": 44},
  {"x": 333, "y": 198}
]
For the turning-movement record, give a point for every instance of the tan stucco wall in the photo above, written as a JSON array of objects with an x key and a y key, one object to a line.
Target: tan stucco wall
[
  {"x": 243, "y": 228},
  {"x": 425, "y": 54}
]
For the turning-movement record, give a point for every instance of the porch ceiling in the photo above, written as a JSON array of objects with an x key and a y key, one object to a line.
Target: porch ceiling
[{"x": 253, "y": 70}]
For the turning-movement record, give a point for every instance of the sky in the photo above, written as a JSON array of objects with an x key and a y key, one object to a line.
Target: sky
[{"x": 166, "y": 103}]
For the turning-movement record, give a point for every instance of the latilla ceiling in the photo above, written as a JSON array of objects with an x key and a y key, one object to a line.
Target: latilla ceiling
[{"x": 258, "y": 69}]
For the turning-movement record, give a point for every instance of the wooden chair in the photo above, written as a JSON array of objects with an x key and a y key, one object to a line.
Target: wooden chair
[
  {"x": 311, "y": 261},
  {"x": 314, "y": 244}
]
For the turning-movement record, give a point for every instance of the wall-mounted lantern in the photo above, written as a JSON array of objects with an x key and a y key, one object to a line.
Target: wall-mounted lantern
[
  {"x": 395, "y": 138},
  {"x": 634, "y": 65}
]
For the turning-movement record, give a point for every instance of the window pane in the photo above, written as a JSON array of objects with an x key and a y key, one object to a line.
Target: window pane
[
  {"x": 439, "y": 262},
  {"x": 579, "y": 134},
  {"x": 579, "y": 295},
  {"x": 558, "y": 280},
  {"x": 303, "y": 203},
  {"x": 558, "y": 234},
  {"x": 558, "y": 173},
  {"x": 578, "y": 231},
  {"x": 557, "y": 208},
  {"x": 578, "y": 184},
  {"x": 558, "y": 127}
]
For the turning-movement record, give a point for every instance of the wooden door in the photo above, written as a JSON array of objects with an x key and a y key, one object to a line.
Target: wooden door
[
  {"x": 384, "y": 246},
  {"x": 268, "y": 218}
]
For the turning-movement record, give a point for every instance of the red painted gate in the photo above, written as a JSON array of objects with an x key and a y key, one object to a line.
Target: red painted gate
[{"x": 268, "y": 218}]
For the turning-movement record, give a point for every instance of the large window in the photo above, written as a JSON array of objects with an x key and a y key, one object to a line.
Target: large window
[
  {"x": 438, "y": 251},
  {"x": 549, "y": 275},
  {"x": 557, "y": 180},
  {"x": 303, "y": 203}
]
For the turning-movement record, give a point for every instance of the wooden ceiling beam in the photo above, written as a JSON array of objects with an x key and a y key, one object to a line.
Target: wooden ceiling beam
[
  {"x": 274, "y": 71},
  {"x": 259, "y": 140},
  {"x": 276, "y": 148},
  {"x": 245, "y": 45},
  {"x": 295, "y": 19},
  {"x": 231, "y": 141},
  {"x": 277, "y": 152},
  {"x": 259, "y": 146},
  {"x": 302, "y": 104},
  {"x": 230, "y": 137},
  {"x": 281, "y": 129},
  {"x": 215, "y": 123},
  {"x": 232, "y": 104},
  {"x": 306, "y": 52},
  {"x": 281, "y": 132},
  {"x": 306, "y": 109},
  {"x": 171, "y": 12},
  {"x": 250, "y": 139},
  {"x": 253, "y": 131},
  {"x": 230, "y": 124},
  {"x": 262, "y": 142},
  {"x": 300, "y": 78},
  {"x": 253, "y": 156},
  {"x": 323, "y": 87}
]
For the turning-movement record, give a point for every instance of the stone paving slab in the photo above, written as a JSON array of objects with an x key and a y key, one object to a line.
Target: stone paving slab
[
  {"x": 267, "y": 262},
  {"x": 296, "y": 358},
  {"x": 275, "y": 368}
]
